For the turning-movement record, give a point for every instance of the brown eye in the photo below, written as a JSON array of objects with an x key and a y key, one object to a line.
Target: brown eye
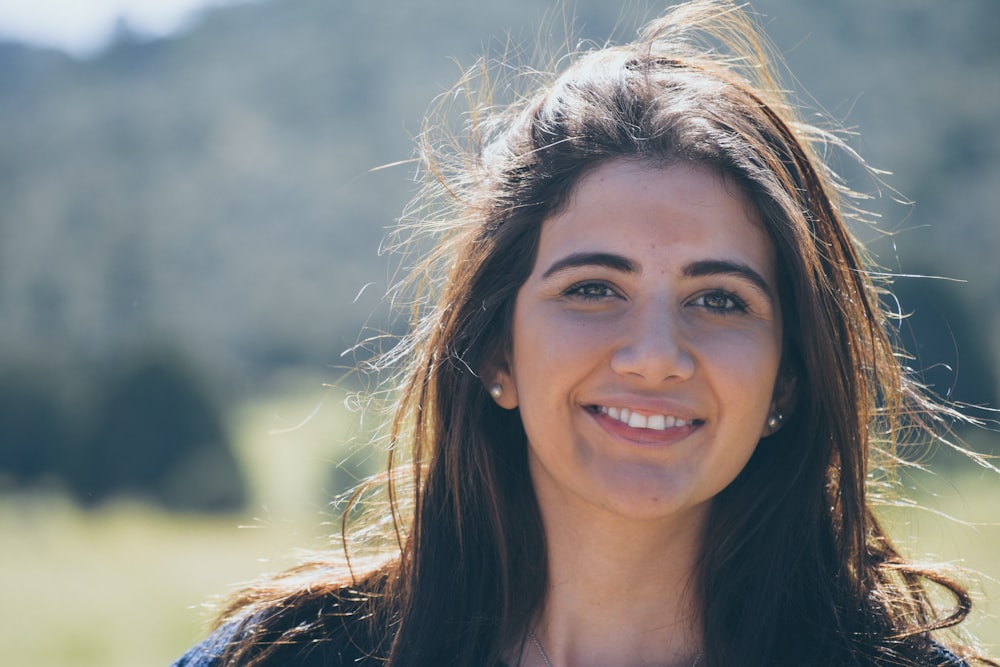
[
  {"x": 722, "y": 302},
  {"x": 590, "y": 291}
]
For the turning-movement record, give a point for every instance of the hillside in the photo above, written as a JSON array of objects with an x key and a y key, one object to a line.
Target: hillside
[{"x": 212, "y": 194}]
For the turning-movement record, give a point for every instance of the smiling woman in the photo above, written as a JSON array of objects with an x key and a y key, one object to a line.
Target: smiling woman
[
  {"x": 666, "y": 316},
  {"x": 647, "y": 380}
]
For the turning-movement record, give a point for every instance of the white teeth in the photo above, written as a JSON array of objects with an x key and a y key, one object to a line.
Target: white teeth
[
  {"x": 637, "y": 420},
  {"x": 652, "y": 422}
]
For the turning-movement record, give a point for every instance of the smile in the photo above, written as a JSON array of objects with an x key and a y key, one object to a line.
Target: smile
[{"x": 636, "y": 420}]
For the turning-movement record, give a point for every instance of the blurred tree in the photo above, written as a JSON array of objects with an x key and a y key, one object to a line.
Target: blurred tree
[
  {"x": 944, "y": 335},
  {"x": 33, "y": 435},
  {"x": 157, "y": 436}
]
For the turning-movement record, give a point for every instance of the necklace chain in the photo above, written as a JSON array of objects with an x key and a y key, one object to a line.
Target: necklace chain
[
  {"x": 538, "y": 647},
  {"x": 548, "y": 663}
]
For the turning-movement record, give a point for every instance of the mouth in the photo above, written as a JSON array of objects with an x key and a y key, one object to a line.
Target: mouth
[{"x": 651, "y": 422}]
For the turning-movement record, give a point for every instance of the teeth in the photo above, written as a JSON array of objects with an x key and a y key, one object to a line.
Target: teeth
[
  {"x": 652, "y": 422},
  {"x": 637, "y": 420}
]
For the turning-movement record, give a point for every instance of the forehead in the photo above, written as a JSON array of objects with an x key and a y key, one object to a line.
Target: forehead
[{"x": 658, "y": 213}]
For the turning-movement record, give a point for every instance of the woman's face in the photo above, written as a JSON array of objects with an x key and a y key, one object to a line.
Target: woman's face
[{"x": 646, "y": 343}]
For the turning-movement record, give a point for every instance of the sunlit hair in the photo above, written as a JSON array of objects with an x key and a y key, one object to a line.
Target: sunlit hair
[{"x": 795, "y": 567}]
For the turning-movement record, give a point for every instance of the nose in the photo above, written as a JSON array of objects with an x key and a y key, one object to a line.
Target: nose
[{"x": 653, "y": 345}]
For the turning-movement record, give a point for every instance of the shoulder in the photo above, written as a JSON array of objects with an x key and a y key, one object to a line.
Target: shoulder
[
  {"x": 209, "y": 652},
  {"x": 231, "y": 647},
  {"x": 939, "y": 656},
  {"x": 924, "y": 652},
  {"x": 306, "y": 628}
]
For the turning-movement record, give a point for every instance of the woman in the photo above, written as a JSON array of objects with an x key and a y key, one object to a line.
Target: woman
[{"x": 639, "y": 400}]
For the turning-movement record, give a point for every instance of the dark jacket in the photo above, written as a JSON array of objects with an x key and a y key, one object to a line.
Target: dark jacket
[{"x": 331, "y": 643}]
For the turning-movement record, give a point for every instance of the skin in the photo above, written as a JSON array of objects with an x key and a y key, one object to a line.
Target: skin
[{"x": 653, "y": 291}]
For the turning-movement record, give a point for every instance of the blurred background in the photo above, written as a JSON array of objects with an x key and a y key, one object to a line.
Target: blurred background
[{"x": 190, "y": 223}]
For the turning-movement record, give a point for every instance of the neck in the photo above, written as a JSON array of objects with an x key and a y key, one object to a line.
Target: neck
[{"x": 621, "y": 593}]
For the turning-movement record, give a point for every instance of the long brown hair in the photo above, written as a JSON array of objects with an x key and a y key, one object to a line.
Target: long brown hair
[{"x": 796, "y": 568}]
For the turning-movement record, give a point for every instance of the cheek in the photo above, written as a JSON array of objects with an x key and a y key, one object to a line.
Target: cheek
[
  {"x": 547, "y": 342},
  {"x": 746, "y": 364},
  {"x": 551, "y": 357}
]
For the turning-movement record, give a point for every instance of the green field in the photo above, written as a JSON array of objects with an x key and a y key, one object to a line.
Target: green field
[
  {"x": 126, "y": 586},
  {"x": 955, "y": 519}
]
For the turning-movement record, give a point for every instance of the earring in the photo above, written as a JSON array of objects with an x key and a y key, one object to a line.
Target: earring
[
  {"x": 774, "y": 421},
  {"x": 496, "y": 391}
]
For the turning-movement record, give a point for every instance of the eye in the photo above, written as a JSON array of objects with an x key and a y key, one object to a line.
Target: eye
[
  {"x": 720, "y": 301},
  {"x": 590, "y": 290}
]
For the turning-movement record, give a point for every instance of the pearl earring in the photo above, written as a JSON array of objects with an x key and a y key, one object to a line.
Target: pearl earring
[
  {"x": 496, "y": 391},
  {"x": 774, "y": 421}
]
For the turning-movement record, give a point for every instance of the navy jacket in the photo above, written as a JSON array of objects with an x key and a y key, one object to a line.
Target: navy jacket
[{"x": 342, "y": 653}]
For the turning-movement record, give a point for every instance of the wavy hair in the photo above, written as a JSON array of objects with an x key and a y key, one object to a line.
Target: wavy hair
[{"x": 795, "y": 568}]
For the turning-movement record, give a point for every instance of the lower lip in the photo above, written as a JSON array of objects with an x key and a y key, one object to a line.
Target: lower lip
[{"x": 643, "y": 436}]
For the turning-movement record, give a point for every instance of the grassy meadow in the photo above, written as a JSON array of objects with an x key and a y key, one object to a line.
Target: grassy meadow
[{"x": 127, "y": 585}]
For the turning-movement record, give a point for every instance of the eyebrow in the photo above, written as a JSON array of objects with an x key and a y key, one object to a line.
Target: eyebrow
[
  {"x": 605, "y": 259},
  {"x": 711, "y": 267},
  {"x": 708, "y": 267}
]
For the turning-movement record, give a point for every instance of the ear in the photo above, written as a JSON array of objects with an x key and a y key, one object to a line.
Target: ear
[
  {"x": 783, "y": 402},
  {"x": 502, "y": 388}
]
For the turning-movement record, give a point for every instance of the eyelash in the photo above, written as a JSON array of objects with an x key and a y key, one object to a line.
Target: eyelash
[
  {"x": 585, "y": 290},
  {"x": 591, "y": 290},
  {"x": 735, "y": 305}
]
